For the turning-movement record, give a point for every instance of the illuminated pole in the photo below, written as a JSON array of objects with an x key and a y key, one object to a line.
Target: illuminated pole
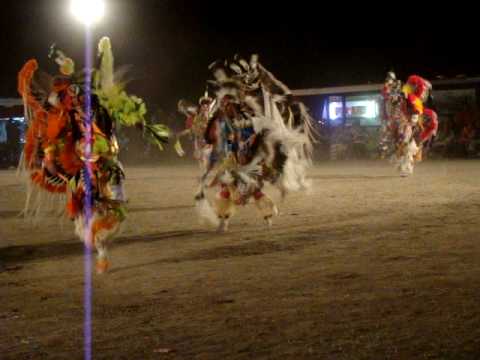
[{"x": 88, "y": 12}]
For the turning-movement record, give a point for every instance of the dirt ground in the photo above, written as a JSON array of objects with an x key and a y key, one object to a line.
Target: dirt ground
[{"x": 366, "y": 266}]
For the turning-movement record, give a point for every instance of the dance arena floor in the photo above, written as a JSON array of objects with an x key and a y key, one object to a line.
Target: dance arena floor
[{"x": 367, "y": 265}]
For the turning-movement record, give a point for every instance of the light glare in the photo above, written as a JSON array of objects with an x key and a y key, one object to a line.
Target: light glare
[{"x": 88, "y": 11}]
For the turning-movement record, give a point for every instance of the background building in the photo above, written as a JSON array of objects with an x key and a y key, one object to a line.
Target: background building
[{"x": 349, "y": 117}]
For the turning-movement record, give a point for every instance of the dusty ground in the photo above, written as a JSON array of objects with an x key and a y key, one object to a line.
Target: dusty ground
[{"x": 367, "y": 266}]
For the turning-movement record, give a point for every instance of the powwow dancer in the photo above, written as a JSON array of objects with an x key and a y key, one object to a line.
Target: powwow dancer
[
  {"x": 407, "y": 124},
  {"x": 65, "y": 155},
  {"x": 258, "y": 133},
  {"x": 195, "y": 126}
]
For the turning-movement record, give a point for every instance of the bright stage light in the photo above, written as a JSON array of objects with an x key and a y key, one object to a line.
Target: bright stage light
[{"x": 88, "y": 11}]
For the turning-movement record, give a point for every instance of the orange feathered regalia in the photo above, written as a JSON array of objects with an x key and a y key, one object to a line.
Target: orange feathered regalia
[{"x": 59, "y": 144}]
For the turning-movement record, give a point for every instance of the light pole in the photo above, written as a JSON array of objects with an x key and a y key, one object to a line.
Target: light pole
[{"x": 88, "y": 12}]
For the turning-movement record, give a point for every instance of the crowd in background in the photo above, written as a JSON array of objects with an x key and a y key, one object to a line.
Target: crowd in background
[{"x": 459, "y": 135}]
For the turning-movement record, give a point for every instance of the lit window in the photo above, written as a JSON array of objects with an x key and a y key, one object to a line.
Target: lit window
[
  {"x": 335, "y": 110},
  {"x": 364, "y": 109},
  {"x": 3, "y": 131}
]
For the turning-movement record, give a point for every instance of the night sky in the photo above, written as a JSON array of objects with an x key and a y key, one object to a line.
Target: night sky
[{"x": 170, "y": 43}]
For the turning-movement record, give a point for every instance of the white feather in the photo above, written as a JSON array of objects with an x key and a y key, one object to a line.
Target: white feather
[
  {"x": 254, "y": 105},
  {"x": 236, "y": 68},
  {"x": 274, "y": 80},
  {"x": 205, "y": 212},
  {"x": 106, "y": 66}
]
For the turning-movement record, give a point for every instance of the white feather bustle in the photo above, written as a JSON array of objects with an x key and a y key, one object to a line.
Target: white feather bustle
[{"x": 205, "y": 212}]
